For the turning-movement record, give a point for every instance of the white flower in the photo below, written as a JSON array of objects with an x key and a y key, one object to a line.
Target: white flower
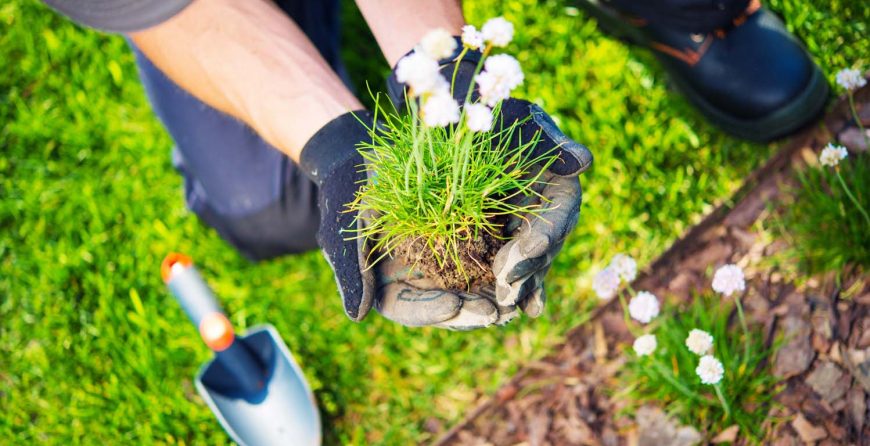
[
  {"x": 479, "y": 117},
  {"x": 645, "y": 345},
  {"x": 850, "y": 79},
  {"x": 440, "y": 109},
  {"x": 491, "y": 91},
  {"x": 605, "y": 283},
  {"x": 471, "y": 37},
  {"x": 699, "y": 342},
  {"x": 728, "y": 279},
  {"x": 832, "y": 154},
  {"x": 625, "y": 266},
  {"x": 710, "y": 370},
  {"x": 498, "y": 31},
  {"x": 438, "y": 44},
  {"x": 643, "y": 307},
  {"x": 502, "y": 73},
  {"x": 420, "y": 72}
]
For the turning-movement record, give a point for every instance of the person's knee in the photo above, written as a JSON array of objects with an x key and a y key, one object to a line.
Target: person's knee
[
  {"x": 251, "y": 193},
  {"x": 267, "y": 233}
]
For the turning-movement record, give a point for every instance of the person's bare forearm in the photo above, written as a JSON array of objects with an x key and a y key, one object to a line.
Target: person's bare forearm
[
  {"x": 398, "y": 25},
  {"x": 248, "y": 59}
]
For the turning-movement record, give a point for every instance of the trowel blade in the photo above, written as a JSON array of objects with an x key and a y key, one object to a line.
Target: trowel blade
[{"x": 284, "y": 413}]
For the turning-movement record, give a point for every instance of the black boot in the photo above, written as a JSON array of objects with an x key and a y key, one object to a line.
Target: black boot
[{"x": 749, "y": 76}]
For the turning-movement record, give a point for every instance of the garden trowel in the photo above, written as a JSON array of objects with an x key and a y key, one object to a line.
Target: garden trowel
[{"x": 253, "y": 385}]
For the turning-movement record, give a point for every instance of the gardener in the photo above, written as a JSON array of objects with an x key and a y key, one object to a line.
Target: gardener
[{"x": 255, "y": 97}]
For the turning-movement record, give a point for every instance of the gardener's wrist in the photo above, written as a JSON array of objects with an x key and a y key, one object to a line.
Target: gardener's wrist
[
  {"x": 399, "y": 24},
  {"x": 334, "y": 144}
]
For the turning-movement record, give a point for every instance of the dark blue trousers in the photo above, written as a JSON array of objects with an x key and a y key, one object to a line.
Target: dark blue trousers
[{"x": 253, "y": 195}]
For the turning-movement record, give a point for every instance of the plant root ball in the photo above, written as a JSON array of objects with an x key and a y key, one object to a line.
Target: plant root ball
[{"x": 475, "y": 257}]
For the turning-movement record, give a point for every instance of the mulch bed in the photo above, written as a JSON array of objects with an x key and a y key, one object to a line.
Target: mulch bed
[{"x": 564, "y": 399}]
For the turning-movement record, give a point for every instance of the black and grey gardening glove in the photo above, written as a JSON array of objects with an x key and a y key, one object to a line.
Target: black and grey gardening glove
[
  {"x": 331, "y": 160},
  {"x": 521, "y": 264}
]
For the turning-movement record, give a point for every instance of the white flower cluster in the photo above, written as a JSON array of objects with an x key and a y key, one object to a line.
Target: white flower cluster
[
  {"x": 728, "y": 280},
  {"x": 438, "y": 44},
  {"x": 850, "y": 79},
  {"x": 644, "y": 307},
  {"x": 645, "y": 345},
  {"x": 497, "y": 31},
  {"x": 440, "y": 110},
  {"x": 832, "y": 154},
  {"x": 471, "y": 37},
  {"x": 710, "y": 370},
  {"x": 479, "y": 117},
  {"x": 625, "y": 266},
  {"x": 606, "y": 282},
  {"x": 502, "y": 73},
  {"x": 421, "y": 73},
  {"x": 699, "y": 342}
]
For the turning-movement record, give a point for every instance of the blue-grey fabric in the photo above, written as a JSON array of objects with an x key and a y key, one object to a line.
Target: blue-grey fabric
[
  {"x": 118, "y": 15},
  {"x": 689, "y": 15},
  {"x": 251, "y": 193}
]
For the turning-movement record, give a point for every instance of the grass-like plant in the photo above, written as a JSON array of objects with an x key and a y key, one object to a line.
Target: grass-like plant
[
  {"x": 670, "y": 377},
  {"x": 443, "y": 180},
  {"x": 690, "y": 359},
  {"x": 825, "y": 218}
]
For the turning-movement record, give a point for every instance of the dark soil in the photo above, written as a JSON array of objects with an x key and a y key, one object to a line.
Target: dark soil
[
  {"x": 475, "y": 255},
  {"x": 825, "y": 322}
]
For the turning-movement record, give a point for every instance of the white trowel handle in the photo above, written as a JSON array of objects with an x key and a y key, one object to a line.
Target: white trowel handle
[
  {"x": 200, "y": 304},
  {"x": 197, "y": 300}
]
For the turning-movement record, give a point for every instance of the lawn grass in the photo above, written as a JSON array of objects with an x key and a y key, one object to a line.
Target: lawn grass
[{"x": 94, "y": 350}]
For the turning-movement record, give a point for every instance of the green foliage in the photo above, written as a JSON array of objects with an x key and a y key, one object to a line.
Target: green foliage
[
  {"x": 826, "y": 230},
  {"x": 94, "y": 350},
  {"x": 845, "y": 21},
  {"x": 667, "y": 378},
  {"x": 442, "y": 186}
]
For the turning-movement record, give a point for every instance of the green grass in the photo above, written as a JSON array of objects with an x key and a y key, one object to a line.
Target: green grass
[
  {"x": 94, "y": 350},
  {"x": 668, "y": 379},
  {"x": 825, "y": 228},
  {"x": 439, "y": 188}
]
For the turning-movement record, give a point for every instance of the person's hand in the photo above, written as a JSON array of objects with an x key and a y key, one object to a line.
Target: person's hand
[
  {"x": 331, "y": 160},
  {"x": 521, "y": 264},
  {"x": 411, "y": 299}
]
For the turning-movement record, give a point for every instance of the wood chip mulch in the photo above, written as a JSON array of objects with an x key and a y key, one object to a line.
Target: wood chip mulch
[{"x": 564, "y": 399}]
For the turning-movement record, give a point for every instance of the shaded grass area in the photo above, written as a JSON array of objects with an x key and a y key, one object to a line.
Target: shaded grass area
[
  {"x": 93, "y": 350},
  {"x": 826, "y": 228}
]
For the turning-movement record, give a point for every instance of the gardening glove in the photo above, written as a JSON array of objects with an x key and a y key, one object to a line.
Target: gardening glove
[
  {"x": 535, "y": 239},
  {"x": 521, "y": 264},
  {"x": 331, "y": 160}
]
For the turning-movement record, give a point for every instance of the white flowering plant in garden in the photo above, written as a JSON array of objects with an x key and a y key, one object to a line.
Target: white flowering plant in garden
[
  {"x": 689, "y": 359},
  {"x": 851, "y": 79},
  {"x": 825, "y": 216},
  {"x": 443, "y": 178}
]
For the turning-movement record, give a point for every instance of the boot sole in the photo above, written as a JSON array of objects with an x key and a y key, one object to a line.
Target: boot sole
[{"x": 792, "y": 116}]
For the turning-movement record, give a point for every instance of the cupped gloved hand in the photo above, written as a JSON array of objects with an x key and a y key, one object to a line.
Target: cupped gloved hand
[
  {"x": 331, "y": 160},
  {"x": 521, "y": 264},
  {"x": 535, "y": 240}
]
